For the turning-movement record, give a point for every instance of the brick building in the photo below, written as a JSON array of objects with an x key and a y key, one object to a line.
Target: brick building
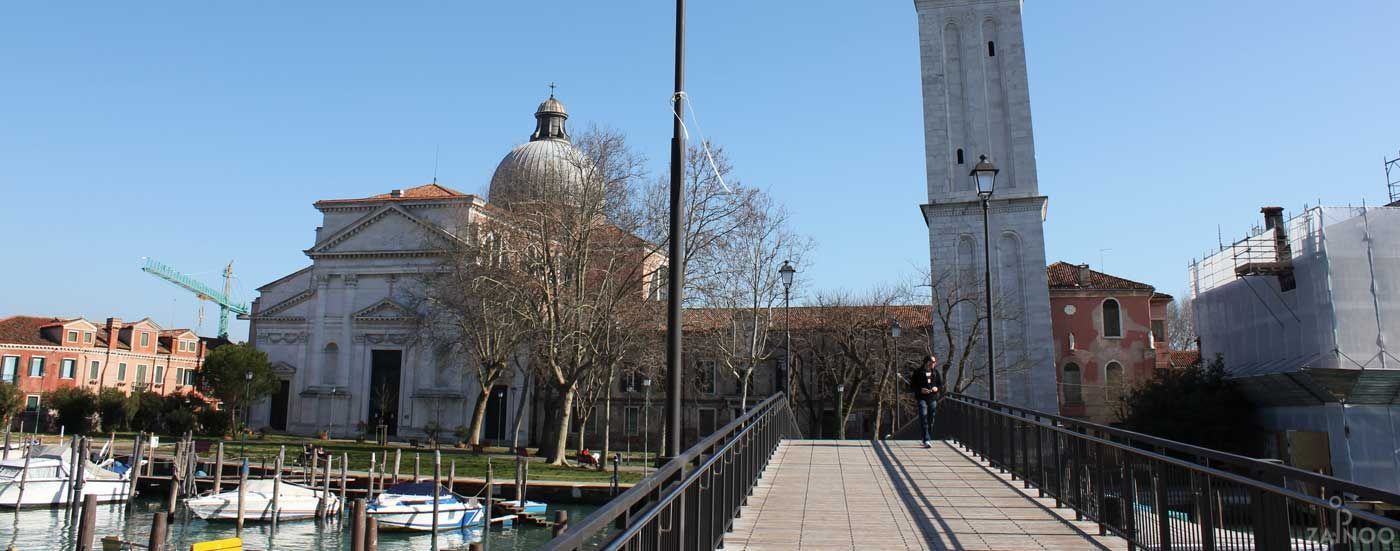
[
  {"x": 40, "y": 354},
  {"x": 1110, "y": 335}
]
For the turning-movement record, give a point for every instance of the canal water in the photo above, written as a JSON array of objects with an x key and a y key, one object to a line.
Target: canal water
[{"x": 50, "y": 529}]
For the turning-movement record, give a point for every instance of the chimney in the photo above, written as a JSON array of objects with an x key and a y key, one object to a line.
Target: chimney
[
  {"x": 396, "y": 193},
  {"x": 114, "y": 328},
  {"x": 1082, "y": 275},
  {"x": 1273, "y": 220}
]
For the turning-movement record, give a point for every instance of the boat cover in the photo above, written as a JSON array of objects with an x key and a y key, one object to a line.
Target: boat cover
[{"x": 416, "y": 489}]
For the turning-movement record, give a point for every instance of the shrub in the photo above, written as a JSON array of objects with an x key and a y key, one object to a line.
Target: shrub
[
  {"x": 113, "y": 408},
  {"x": 11, "y": 402},
  {"x": 75, "y": 406},
  {"x": 1196, "y": 405},
  {"x": 179, "y": 421},
  {"x": 149, "y": 411},
  {"x": 213, "y": 422}
]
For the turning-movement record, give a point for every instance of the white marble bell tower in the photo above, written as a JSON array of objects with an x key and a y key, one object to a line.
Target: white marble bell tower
[{"x": 977, "y": 102}]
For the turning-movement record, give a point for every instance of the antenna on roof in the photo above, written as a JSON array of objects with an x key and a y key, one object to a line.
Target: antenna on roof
[{"x": 436, "y": 150}]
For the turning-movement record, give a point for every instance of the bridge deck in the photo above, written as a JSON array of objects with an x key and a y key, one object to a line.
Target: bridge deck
[{"x": 829, "y": 494}]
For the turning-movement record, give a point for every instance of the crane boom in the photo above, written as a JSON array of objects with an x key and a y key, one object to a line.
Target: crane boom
[{"x": 204, "y": 292}]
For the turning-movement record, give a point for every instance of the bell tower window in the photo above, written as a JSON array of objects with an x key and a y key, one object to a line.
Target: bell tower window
[
  {"x": 991, "y": 49},
  {"x": 960, "y": 156}
]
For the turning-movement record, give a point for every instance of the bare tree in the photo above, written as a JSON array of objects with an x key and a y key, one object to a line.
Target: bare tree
[
  {"x": 746, "y": 286},
  {"x": 960, "y": 321},
  {"x": 1181, "y": 324},
  {"x": 575, "y": 235},
  {"x": 715, "y": 204},
  {"x": 471, "y": 311}
]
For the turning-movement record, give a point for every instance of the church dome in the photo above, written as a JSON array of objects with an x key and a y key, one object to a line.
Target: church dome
[{"x": 547, "y": 165}]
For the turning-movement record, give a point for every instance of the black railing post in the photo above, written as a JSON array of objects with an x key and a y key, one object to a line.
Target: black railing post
[
  {"x": 1098, "y": 482},
  {"x": 1129, "y": 500},
  {"x": 1026, "y": 452},
  {"x": 1059, "y": 491},
  {"x": 1159, "y": 494},
  {"x": 1040, "y": 460},
  {"x": 1205, "y": 517},
  {"x": 1076, "y": 493}
]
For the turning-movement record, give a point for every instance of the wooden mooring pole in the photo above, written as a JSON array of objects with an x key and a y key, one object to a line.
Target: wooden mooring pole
[
  {"x": 437, "y": 490},
  {"x": 242, "y": 494},
  {"x": 218, "y": 467},
  {"x": 357, "y": 526},
  {"x": 371, "y": 534},
  {"x": 158, "y": 530},
  {"x": 88, "y": 524}
]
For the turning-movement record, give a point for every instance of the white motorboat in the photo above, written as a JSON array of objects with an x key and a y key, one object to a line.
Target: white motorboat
[
  {"x": 294, "y": 502},
  {"x": 410, "y": 507},
  {"x": 42, "y": 479}
]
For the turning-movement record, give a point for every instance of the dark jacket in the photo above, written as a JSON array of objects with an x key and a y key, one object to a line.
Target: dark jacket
[{"x": 920, "y": 380}]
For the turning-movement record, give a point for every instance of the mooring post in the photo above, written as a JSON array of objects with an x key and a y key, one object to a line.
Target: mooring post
[
  {"x": 133, "y": 474},
  {"x": 277, "y": 485},
  {"x": 371, "y": 534},
  {"x": 219, "y": 467},
  {"x": 417, "y": 458},
  {"x": 325, "y": 502},
  {"x": 369, "y": 492},
  {"x": 81, "y": 469},
  {"x": 357, "y": 526},
  {"x": 398, "y": 454},
  {"x": 242, "y": 494},
  {"x": 7, "y": 444},
  {"x": 315, "y": 464},
  {"x": 561, "y": 522},
  {"x": 437, "y": 491},
  {"x": 158, "y": 529},
  {"x": 344, "y": 480},
  {"x": 88, "y": 524},
  {"x": 487, "y": 511},
  {"x": 452, "y": 477}
]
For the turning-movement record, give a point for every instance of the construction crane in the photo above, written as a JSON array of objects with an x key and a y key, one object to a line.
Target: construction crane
[{"x": 204, "y": 292}]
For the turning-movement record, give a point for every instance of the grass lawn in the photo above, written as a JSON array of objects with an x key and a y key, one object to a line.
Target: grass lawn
[{"x": 468, "y": 464}]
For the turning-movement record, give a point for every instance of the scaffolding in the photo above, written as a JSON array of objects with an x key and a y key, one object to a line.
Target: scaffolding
[{"x": 1392, "y": 179}]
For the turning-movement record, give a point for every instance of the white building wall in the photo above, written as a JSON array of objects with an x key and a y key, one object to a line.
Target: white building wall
[{"x": 977, "y": 100}]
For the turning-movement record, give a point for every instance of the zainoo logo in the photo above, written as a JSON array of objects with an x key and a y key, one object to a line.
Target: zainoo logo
[{"x": 1346, "y": 533}]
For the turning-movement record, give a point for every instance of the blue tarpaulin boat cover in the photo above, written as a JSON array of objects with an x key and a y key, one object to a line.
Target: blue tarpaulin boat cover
[{"x": 416, "y": 489}]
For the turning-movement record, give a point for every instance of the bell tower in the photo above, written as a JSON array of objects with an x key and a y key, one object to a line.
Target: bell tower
[{"x": 977, "y": 102}]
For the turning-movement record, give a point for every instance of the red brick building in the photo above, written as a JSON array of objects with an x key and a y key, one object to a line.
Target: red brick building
[
  {"x": 39, "y": 354},
  {"x": 1110, "y": 335}
]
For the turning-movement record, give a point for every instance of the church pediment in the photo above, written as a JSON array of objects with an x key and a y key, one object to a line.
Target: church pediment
[
  {"x": 283, "y": 369},
  {"x": 385, "y": 310},
  {"x": 288, "y": 308},
  {"x": 389, "y": 229}
]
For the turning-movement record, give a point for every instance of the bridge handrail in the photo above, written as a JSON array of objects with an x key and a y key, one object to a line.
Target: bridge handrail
[
  {"x": 1255, "y": 467},
  {"x": 1148, "y": 497},
  {"x": 717, "y": 473}
]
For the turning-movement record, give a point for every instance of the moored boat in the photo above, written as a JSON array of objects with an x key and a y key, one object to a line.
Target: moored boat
[
  {"x": 410, "y": 507},
  {"x": 294, "y": 502},
  {"x": 45, "y": 478}
]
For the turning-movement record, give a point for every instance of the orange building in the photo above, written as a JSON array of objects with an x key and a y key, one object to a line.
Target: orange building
[
  {"x": 39, "y": 354},
  {"x": 1110, "y": 335}
]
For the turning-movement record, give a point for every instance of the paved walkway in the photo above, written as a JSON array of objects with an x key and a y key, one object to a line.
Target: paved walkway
[{"x": 830, "y": 494}]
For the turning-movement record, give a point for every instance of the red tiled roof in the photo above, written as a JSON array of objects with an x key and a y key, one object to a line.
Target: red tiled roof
[
  {"x": 1063, "y": 275},
  {"x": 1184, "y": 358},
  {"x": 420, "y": 193},
  {"x": 805, "y": 318},
  {"x": 26, "y": 330}
]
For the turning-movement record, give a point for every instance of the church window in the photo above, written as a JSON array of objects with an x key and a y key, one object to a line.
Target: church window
[
  {"x": 1072, "y": 386},
  {"x": 329, "y": 363},
  {"x": 991, "y": 49},
  {"x": 1112, "y": 319},
  {"x": 1071, "y": 341},
  {"x": 1113, "y": 378},
  {"x": 960, "y": 156}
]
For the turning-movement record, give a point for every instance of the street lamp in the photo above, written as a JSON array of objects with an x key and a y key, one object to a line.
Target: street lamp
[
  {"x": 786, "y": 272},
  {"x": 646, "y": 423},
  {"x": 985, "y": 175},
  {"x": 896, "y": 330},
  {"x": 247, "y": 410},
  {"x": 840, "y": 411}
]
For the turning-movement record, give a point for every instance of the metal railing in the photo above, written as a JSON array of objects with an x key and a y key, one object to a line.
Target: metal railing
[
  {"x": 692, "y": 500},
  {"x": 1161, "y": 494}
]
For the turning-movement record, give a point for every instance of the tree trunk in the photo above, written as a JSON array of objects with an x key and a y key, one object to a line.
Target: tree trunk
[
  {"x": 520, "y": 413},
  {"x": 607, "y": 424},
  {"x": 479, "y": 415},
  {"x": 879, "y": 416},
  {"x": 744, "y": 391},
  {"x": 554, "y": 448}
]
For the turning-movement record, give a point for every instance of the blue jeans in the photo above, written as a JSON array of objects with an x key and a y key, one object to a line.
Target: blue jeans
[{"x": 928, "y": 409}]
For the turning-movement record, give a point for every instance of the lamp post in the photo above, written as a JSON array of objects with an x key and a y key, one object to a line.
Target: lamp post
[
  {"x": 840, "y": 412},
  {"x": 676, "y": 249},
  {"x": 786, "y": 272},
  {"x": 247, "y": 410},
  {"x": 896, "y": 330},
  {"x": 646, "y": 423},
  {"x": 985, "y": 174}
]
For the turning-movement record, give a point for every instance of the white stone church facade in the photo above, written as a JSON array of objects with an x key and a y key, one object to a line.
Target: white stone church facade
[
  {"x": 342, "y": 333},
  {"x": 977, "y": 102}
]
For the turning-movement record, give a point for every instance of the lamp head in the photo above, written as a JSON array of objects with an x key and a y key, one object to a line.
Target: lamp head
[
  {"x": 985, "y": 174},
  {"x": 786, "y": 272},
  {"x": 896, "y": 330}
]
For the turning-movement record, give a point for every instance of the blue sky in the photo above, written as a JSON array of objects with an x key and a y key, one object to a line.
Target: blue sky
[{"x": 197, "y": 134}]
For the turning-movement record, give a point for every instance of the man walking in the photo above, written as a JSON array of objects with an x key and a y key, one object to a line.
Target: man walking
[{"x": 926, "y": 383}]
